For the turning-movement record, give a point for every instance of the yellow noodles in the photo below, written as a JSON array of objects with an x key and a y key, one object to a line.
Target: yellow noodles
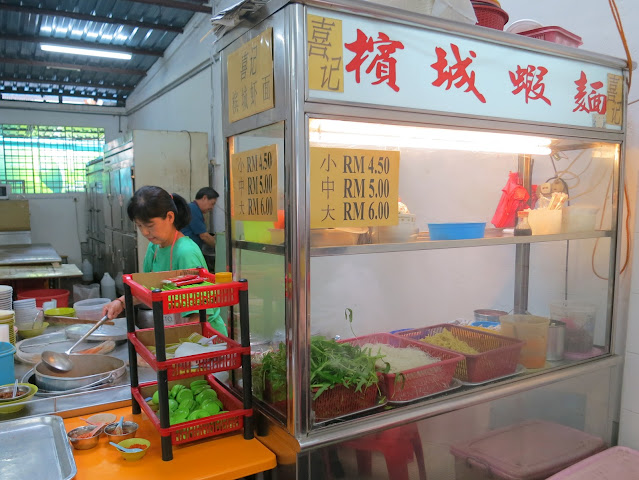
[{"x": 446, "y": 339}]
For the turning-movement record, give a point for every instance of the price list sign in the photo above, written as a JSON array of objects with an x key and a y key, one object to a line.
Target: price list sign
[
  {"x": 254, "y": 184},
  {"x": 353, "y": 187}
]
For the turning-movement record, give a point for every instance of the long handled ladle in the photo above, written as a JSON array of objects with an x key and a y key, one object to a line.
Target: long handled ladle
[{"x": 60, "y": 361}]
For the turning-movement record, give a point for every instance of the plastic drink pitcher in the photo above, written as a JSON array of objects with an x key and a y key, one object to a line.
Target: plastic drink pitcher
[{"x": 7, "y": 373}]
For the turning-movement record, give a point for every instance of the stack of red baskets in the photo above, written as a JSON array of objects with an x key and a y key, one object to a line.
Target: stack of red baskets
[{"x": 490, "y": 14}]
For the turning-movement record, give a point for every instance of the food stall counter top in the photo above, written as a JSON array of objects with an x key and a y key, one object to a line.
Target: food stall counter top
[{"x": 214, "y": 458}]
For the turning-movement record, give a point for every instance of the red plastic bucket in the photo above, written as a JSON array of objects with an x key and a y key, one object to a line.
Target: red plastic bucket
[{"x": 60, "y": 295}]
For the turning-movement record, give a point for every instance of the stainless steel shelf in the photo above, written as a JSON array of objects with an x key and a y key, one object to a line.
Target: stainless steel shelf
[
  {"x": 425, "y": 244},
  {"x": 438, "y": 244}
]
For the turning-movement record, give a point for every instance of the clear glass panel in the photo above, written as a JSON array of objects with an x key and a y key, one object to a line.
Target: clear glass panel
[
  {"x": 265, "y": 271},
  {"x": 454, "y": 258}
]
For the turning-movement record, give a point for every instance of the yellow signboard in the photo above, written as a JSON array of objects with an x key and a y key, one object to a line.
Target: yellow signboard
[
  {"x": 254, "y": 184},
  {"x": 614, "y": 108},
  {"x": 324, "y": 49},
  {"x": 353, "y": 187},
  {"x": 250, "y": 77}
]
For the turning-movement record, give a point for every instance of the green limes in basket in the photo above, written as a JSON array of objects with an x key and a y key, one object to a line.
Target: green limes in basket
[
  {"x": 201, "y": 381},
  {"x": 197, "y": 414},
  {"x": 183, "y": 395},
  {"x": 176, "y": 389},
  {"x": 205, "y": 395},
  {"x": 196, "y": 389},
  {"x": 212, "y": 408}
]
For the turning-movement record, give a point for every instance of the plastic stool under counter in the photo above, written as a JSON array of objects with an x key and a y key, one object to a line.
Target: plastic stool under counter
[{"x": 532, "y": 450}]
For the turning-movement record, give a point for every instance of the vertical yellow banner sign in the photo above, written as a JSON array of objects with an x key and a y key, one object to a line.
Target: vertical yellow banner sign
[
  {"x": 250, "y": 77},
  {"x": 254, "y": 184},
  {"x": 614, "y": 108},
  {"x": 353, "y": 187},
  {"x": 325, "y": 56}
]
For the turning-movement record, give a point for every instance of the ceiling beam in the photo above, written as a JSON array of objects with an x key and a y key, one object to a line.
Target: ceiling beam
[
  {"x": 46, "y": 81},
  {"x": 80, "y": 44},
  {"x": 73, "y": 66},
  {"x": 90, "y": 18},
  {"x": 191, "y": 7}
]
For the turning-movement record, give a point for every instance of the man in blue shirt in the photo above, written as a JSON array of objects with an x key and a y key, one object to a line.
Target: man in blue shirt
[{"x": 204, "y": 202}]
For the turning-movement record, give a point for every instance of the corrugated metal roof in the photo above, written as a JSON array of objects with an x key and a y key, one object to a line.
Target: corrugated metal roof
[{"x": 143, "y": 28}]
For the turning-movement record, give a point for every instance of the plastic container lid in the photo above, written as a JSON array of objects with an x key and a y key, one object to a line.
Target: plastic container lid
[
  {"x": 616, "y": 463},
  {"x": 530, "y": 450},
  {"x": 223, "y": 277}
]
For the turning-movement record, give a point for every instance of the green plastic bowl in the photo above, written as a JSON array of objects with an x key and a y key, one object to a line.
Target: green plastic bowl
[{"x": 60, "y": 312}]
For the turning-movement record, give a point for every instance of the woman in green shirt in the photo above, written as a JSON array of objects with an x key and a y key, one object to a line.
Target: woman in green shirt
[{"x": 159, "y": 216}]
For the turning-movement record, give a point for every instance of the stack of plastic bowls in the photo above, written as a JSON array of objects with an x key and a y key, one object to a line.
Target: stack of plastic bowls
[
  {"x": 6, "y": 295},
  {"x": 26, "y": 312}
]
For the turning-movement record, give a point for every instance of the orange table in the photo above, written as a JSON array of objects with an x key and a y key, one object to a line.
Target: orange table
[{"x": 214, "y": 458}]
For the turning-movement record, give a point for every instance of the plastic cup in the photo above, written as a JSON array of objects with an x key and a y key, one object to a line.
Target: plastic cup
[
  {"x": 579, "y": 318},
  {"x": 545, "y": 222},
  {"x": 7, "y": 373},
  {"x": 531, "y": 329}
]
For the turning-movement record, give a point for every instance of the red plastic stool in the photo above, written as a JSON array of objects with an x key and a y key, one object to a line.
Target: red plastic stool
[{"x": 397, "y": 445}]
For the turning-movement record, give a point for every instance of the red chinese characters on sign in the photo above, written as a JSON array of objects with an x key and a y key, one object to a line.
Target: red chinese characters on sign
[
  {"x": 530, "y": 80},
  {"x": 383, "y": 63},
  {"x": 589, "y": 102},
  {"x": 456, "y": 73}
]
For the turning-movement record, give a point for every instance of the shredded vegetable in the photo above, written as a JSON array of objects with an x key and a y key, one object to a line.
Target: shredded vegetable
[
  {"x": 400, "y": 359},
  {"x": 446, "y": 339}
]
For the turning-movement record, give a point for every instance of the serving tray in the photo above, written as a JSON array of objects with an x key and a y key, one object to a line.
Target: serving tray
[{"x": 35, "y": 448}]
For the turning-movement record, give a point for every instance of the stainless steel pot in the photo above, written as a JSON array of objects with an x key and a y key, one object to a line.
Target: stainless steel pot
[{"x": 88, "y": 371}]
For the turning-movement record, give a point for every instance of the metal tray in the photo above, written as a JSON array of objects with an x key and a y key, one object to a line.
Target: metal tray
[
  {"x": 114, "y": 332},
  {"x": 518, "y": 370},
  {"x": 455, "y": 383},
  {"x": 35, "y": 448}
]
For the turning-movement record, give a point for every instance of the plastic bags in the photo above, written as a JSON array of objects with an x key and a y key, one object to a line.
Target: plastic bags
[
  {"x": 513, "y": 198},
  {"x": 84, "y": 292}
]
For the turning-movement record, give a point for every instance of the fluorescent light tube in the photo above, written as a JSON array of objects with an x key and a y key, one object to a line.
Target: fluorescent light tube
[
  {"x": 379, "y": 135},
  {"x": 85, "y": 51}
]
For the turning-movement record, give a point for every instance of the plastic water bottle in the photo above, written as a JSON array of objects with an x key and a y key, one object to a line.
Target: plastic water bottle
[
  {"x": 107, "y": 286},
  {"x": 87, "y": 270}
]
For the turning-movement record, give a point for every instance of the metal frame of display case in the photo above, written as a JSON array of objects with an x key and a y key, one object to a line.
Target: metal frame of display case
[{"x": 292, "y": 107}]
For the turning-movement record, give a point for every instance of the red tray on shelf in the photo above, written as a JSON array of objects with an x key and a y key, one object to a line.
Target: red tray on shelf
[
  {"x": 497, "y": 357},
  {"x": 416, "y": 382},
  {"x": 196, "y": 429},
  {"x": 340, "y": 400},
  {"x": 183, "y": 299},
  {"x": 185, "y": 367}
]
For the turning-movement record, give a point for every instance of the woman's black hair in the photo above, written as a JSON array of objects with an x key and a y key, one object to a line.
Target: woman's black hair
[{"x": 152, "y": 202}]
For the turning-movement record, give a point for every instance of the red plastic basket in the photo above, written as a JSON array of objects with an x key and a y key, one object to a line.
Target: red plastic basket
[
  {"x": 187, "y": 298},
  {"x": 60, "y": 295},
  {"x": 196, "y": 429},
  {"x": 339, "y": 401},
  {"x": 498, "y": 355},
  {"x": 554, "y": 34},
  {"x": 185, "y": 367},
  {"x": 490, "y": 16},
  {"x": 416, "y": 382}
]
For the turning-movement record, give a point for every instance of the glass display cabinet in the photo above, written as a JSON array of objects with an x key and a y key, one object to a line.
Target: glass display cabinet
[{"x": 375, "y": 174}]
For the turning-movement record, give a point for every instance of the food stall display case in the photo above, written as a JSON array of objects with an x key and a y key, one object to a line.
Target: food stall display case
[{"x": 376, "y": 164}]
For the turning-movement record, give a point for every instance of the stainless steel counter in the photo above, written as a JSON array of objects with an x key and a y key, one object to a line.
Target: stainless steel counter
[{"x": 28, "y": 254}]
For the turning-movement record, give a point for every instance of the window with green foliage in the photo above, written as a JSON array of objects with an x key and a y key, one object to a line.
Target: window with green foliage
[{"x": 47, "y": 159}]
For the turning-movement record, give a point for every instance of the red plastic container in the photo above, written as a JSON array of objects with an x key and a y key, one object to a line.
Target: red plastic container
[
  {"x": 490, "y": 16},
  {"x": 416, "y": 382},
  {"x": 498, "y": 355},
  {"x": 532, "y": 450},
  {"x": 185, "y": 367},
  {"x": 554, "y": 34},
  {"x": 620, "y": 463},
  {"x": 184, "y": 299},
  {"x": 340, "y": 400},
  {"x": 196, "y": 429},
  {"x": 61, "y": 296}
]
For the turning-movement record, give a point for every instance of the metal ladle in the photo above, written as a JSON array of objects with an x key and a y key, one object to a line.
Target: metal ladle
[{"x": 60, "y": 361}]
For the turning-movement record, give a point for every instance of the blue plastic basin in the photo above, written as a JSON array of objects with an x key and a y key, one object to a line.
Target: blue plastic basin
[{"x": 456, "y": 231}]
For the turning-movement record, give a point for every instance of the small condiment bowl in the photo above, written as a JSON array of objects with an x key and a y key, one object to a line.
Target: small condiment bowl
[
  {"x": 128, "y": 431},
  {"x": 5, "y": 390},
  {"x": 83, "y": 443},
  {"x": 134, "y": 443}
]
